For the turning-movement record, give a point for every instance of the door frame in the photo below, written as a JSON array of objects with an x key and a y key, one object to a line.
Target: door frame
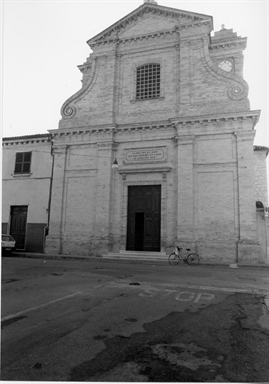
[
  {"x": 132, "y": 241},
  {"x": 156, "y": 178},
  {"x": 10, "y": 222}
]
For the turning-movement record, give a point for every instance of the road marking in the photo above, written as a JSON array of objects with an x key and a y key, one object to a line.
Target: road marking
[
  {"x": 187, "y": 296},
  {"x": 201, "y": 287},
  {"x": 39, "y": 306},
  {"x": 222, "y": 289},
  {"x": 204, "y": 296},
  {"x": 180, "y": 296}
]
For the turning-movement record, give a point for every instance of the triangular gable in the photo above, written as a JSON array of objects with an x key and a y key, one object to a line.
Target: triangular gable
[
  {"x": 130, "y": 23},
  {"x": 149, "y": 22}
]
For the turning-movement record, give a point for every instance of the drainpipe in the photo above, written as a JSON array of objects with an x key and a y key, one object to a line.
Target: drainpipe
[
  {"x": 63, "y": 201},
  {"x": 46, "y": 229},
  {"x": 238, "y": 198},
  {"x": 51, "y": 180}
]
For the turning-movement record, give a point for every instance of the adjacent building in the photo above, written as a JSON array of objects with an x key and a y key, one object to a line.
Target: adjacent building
[{"x": 26, "y": 183}]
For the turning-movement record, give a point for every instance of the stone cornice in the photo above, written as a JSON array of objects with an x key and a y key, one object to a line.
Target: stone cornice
[
  {"x": 189, "y": 120},
  {"x": 109, "y": 128},
  {"x": 234, "y": 116},
  {"x": 139, "y": 169},
  {"x": 261, "y": 148},
  {"x": 143, "y": 127},
  {"x": 22, "y": 140},
  {"x": 152, "y": 35},
  {"x": 148, "y": 8},
  {"x": 229, "y": 44},
  {"x": 80, "y": 131},
  {"x": 227, "y": 38},
  {"x": 85, "y": 67}
]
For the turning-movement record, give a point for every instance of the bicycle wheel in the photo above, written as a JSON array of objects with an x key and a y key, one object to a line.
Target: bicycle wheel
[
  {"x": 193, "y": 259},
  {"x": 173, "y": 259}
]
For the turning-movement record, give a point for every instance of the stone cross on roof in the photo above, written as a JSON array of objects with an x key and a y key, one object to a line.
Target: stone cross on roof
[{"x": 150, "y": 1}]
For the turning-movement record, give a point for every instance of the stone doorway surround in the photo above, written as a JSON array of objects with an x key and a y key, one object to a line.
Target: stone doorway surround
[
  {"x": 144, "y": 218},
  {"x": 143, "y": 177}
]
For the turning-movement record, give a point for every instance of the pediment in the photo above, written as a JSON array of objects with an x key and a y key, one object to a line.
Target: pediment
[
  {"x": 149, "y": 17},
  {"x": 148, "y": 23}
]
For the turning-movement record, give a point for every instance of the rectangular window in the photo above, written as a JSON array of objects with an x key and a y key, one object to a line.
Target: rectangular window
[
  {"x": 148, "y": 82},
  {"x": 23, "y": 162}
]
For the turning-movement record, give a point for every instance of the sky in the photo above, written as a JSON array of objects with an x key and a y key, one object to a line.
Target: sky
[{"x": 43, "y": 42}]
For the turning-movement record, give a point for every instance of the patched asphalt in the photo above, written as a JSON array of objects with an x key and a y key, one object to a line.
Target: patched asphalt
[
  {"x": 77, "y": 321},
  {"x": 224, "y": 342}
]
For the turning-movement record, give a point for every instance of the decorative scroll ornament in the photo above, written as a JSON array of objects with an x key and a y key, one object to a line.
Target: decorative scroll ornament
[
  {"x": 69, "y": 111},
  {"x": 238, "y": 87},
  {"x": 237, "y": 92}
]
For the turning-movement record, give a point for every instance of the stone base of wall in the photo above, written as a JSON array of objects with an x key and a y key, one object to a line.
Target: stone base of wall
[
  {"x": 76, "y": 245},
  {"x": 184, "y": 243},
  {"x": 219, "y": 252},
  {"x": 117, "y": 243},
  {"x": 249, "y": 252},
  {"x": 52, "y": 245}
]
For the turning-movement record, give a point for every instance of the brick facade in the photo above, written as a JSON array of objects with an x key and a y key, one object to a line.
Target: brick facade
[
  {"x": 260, "y": 154},
  {"x": 195, "y": 140}
]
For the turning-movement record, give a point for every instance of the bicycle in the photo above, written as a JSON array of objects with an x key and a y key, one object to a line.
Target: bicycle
[{"x": 186, "y": 257}]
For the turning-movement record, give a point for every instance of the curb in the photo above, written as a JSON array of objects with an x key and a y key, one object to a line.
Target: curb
[{"x": 130, "y": 261}]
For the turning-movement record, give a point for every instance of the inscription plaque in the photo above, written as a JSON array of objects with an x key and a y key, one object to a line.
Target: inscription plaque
[{"x": 145, "y": 154}]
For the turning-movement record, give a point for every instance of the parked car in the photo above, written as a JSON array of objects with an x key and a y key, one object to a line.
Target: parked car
[{"x": 8, "y": 244}]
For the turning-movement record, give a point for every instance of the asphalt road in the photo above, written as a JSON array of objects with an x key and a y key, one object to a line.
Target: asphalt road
[{"x": 116, "y": 321}]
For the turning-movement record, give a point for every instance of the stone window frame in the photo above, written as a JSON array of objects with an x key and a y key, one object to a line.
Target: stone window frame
[
  {"x": 25, "y": 165},
  {"x": 148, "y": 81},
  {"x": 140, "y": 63}
]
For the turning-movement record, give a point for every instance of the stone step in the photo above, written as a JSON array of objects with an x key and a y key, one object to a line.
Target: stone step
[{"x": 134, "y": 255}]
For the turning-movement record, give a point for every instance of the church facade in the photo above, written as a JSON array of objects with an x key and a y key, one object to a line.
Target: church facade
[{"x": 157, "y": 145}]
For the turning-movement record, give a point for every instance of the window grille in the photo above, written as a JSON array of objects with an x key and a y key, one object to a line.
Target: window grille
[
  {"x": 148, "y": 81},
  {"x": 23, "y": 162}
]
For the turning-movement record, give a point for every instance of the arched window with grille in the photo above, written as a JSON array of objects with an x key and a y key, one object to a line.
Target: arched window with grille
[
  {"x": 148, "y": 81},
  {"x": 259, "y": 205}
]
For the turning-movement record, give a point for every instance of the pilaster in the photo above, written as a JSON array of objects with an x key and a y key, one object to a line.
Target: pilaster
[
  {"x": 104, "y": 196},
  {"x": 55, "y": 238},
  {"x": 184, "y": 71},
  {"x": 248, "y": 246},
  {"x": 185, "y": 192}
]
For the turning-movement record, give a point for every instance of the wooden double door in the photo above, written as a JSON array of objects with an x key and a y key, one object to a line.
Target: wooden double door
[
  {"x": 18, "y": 225},
  {"x": 144, "y": 218}
]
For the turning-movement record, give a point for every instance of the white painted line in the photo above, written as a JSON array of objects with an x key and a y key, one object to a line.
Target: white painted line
[
  {"x": 39, "y": 306},
  {"x": 223, "y": 289},
  {"x": 202, "y": 287},
  {"x": 209, "y": 288}
]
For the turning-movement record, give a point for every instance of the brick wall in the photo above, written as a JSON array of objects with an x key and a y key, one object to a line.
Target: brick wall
[{"x": 261, "y": 187}]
